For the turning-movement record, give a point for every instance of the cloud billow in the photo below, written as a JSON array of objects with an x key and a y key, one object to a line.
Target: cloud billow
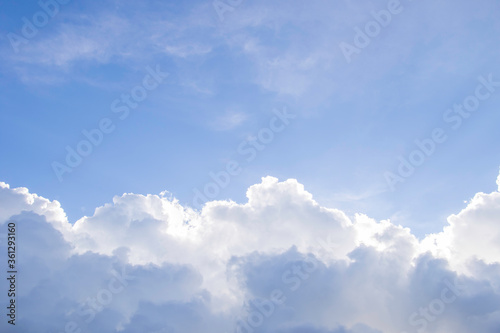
[{"x": 278, "y": 263}]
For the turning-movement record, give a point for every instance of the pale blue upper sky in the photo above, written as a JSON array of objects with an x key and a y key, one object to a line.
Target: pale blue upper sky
[{"x": 225, "y": 78}]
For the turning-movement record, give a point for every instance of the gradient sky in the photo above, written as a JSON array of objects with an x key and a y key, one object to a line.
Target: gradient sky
[
  {"x": 226, "y": 76},
  {"x": 256, "y": 166}
]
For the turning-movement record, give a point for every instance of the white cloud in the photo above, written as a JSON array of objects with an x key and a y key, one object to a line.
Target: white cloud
[
  {"x": 229, "y": 120},
  {"x": 129, "y": 39},
  {"x": 83, "y": 39},
  {"x": 15, "y": 201},
  {"x": 472, "y": 234},
  {"x": 186, "y": 50},
  {"x": 187, "y": 270}
]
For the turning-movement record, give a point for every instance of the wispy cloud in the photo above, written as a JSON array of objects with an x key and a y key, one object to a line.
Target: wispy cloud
[{"x": 229, "y": 120}]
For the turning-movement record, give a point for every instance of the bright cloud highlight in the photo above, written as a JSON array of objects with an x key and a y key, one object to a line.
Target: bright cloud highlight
[{"x": 278, "y": 263}]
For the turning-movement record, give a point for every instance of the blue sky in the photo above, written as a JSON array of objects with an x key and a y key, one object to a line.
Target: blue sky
[
  {"x": 225, "y": 78},
  {"x": 250, "y": 166}
]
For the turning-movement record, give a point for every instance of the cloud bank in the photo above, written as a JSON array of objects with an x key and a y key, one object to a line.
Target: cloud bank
[{"x": 278, "y": 263}]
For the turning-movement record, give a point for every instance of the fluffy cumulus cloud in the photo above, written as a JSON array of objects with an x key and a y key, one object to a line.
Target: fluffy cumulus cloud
[{"x": 278, "y": 263}]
